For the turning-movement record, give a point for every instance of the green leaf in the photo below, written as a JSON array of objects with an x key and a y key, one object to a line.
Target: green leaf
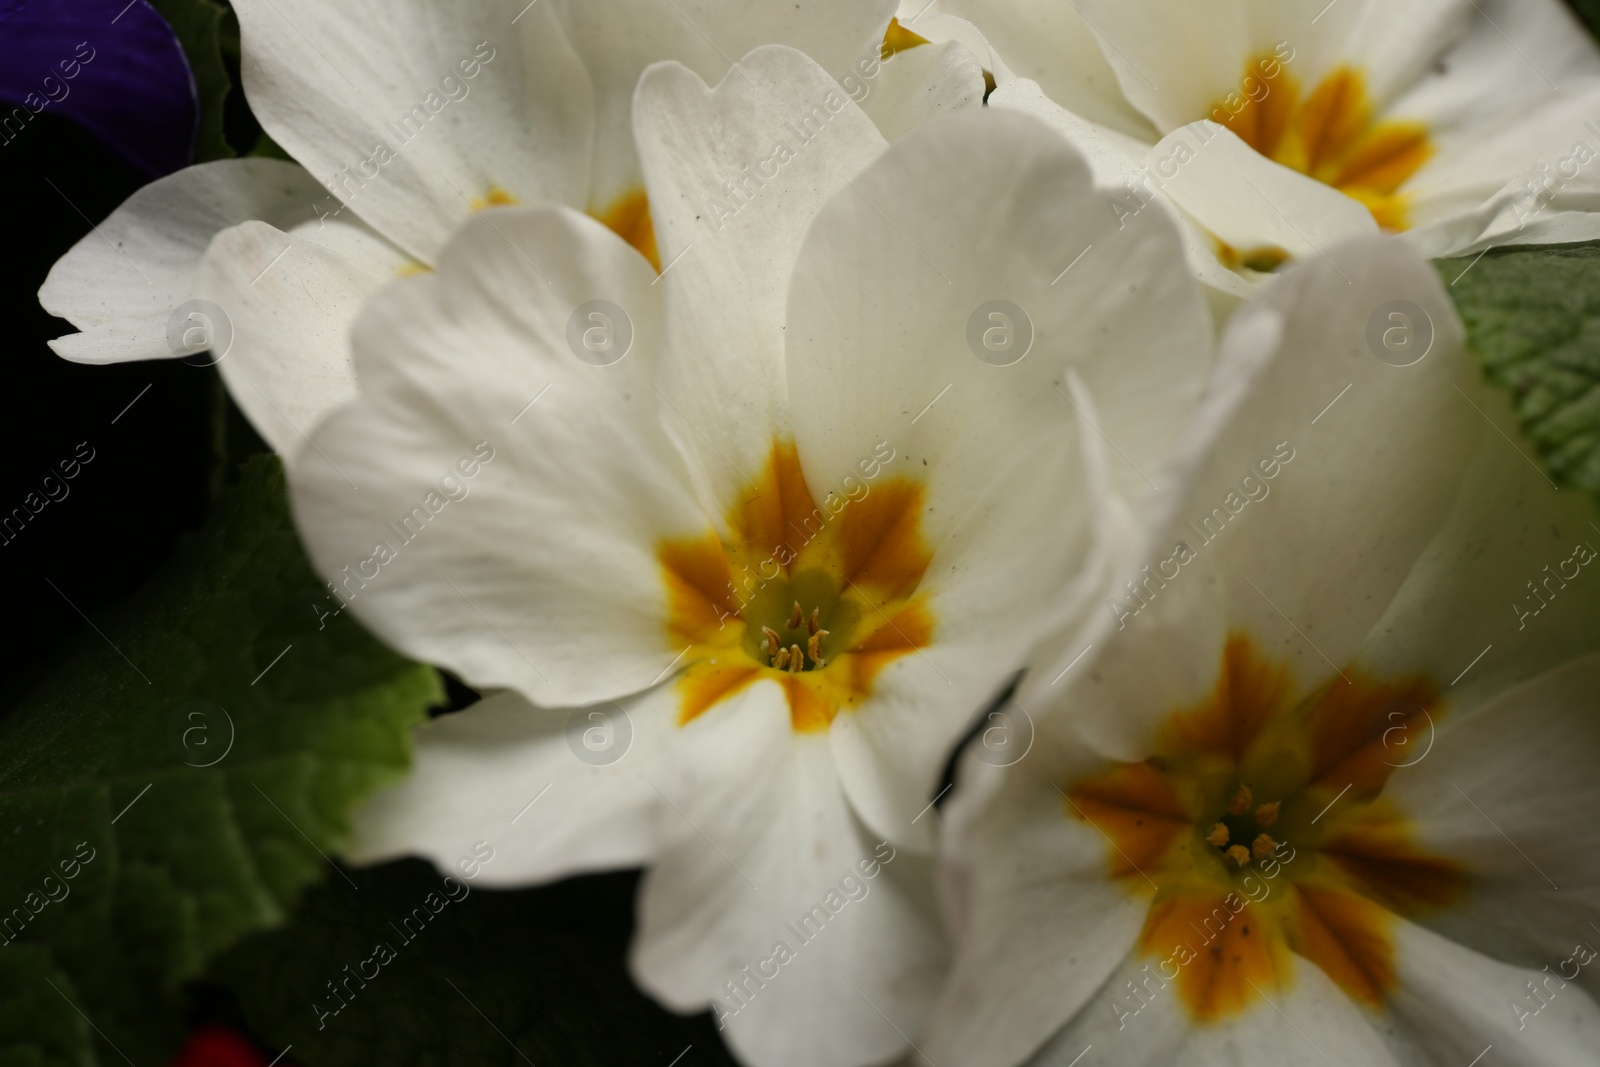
[
  {"x": 1589, "y": 12},
  {"x": 202, "y": 27},
  {"x": 177, "y": 780},
  {"x": 1533, "y": 316},
  {"x": 476, "y": 977}
]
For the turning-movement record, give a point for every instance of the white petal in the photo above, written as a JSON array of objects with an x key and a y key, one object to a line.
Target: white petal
[
  {"x": 121, "y": 284},
  {"x": 1454, "y": 1004},
  {"x": 1116, "y": 161},
  {"x": 333, "y": 83},
  {"x": 1501, "y": 593},
  {"x": 1299, "y": 391},
  {"x": 727, "y": 257},
  {"x": 1040, "y": 929},
  {"x": 544, "y": 576},
  {"x": 290, "y": 299},
  {"x": 1536, "y": 148},
  {"x": 756, "y": 832},
  {"x": 1316, "y": 323},
  {"x": 1311, "y": 1024},
  {"x": 1514, "y": 56},
  {"x": 1246, "y": 199},
  {"x": 1502, "y": 792},
  {"x": 917, "y": 84},
  {"x": 544, "y": 792},
  {"x": 894, "y": 282},
  {"x": 618, "y": 39},
  {"x": 1548, "y": 228},
  {"x": 1391, "y": 45},
  {"x": 1051, "y": 44},
  {"x": 1174, "y": 61},
  {"x": 922, "y": 20}
]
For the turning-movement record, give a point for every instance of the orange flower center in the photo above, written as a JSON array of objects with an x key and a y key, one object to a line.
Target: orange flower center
[
  {"x": 1330, "y": 134},
  {"x": 1260, "y": 833},
  {"x": 819, "y": 596}
]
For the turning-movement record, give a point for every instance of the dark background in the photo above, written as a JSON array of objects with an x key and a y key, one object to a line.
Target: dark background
[{"x": 148, "y": 481}]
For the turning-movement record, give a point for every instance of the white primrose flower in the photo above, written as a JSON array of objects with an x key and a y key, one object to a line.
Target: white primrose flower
[
  {"x": 1280, "y": 128},
  {"x": 405, "y": 120},
  {"x": 744, "y": 545},
  {"x": 1319, "y": 791}
]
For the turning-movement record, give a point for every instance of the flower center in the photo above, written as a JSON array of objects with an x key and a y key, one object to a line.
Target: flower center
[
  {"x": 1240, "y": 831},
  {"x": 799, "y": 640},
  {"x": 819, "y": 596},
  {"x": 1260, "y": 831},
  {"x": 1330, "y": 134}
]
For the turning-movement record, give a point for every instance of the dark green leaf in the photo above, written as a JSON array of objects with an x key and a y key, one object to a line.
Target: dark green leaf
[
  {"x": 201, "y": 26},
  {"x": 188, "y": 765},
  {"x": 492, "y": 977},
  {"x": 1589, "y": 11},
  {"x": 1533, "y": 316}
]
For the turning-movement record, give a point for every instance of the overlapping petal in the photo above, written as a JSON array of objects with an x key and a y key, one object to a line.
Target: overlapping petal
[
  {"x": 410, "y": 114},
  {"x": 290, "y": 300},
  {"x": 736, "y": 174},
  {"x": 484, "y": 448},
  {"x": 121, "y": 283}
]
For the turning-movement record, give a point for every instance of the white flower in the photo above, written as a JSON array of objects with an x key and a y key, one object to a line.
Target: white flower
[
  {"x": 1281, "y": 128},
  {"x": 1320, "y": 791},
  {"x": 765, "y": 528},
  {"x": 413, "y": 117}
]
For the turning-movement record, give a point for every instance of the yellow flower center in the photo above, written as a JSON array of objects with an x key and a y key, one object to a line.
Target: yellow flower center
[
  {"x": 1330, "y": 134},
  {"x": 819, "y": 596},
  {"x": 1259, "y": 832}
]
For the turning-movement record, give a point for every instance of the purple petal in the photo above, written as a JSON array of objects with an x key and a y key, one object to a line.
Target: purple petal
[{"x": 113, "y": 66}]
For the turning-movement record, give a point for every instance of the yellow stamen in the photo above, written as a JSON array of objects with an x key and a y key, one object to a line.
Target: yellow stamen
[
  {"x": 1263, "y": 846},
  {"x": 1240, "y": 855},
  {"x": 1218, "y": 835},
  {"x": 1241, "y": 800},
  {"x": 780, "y": 659},
  {"x": 797, "y": 661},
  {"x": 1267, "y": 815},
  {"x": 816, "y": 622}
]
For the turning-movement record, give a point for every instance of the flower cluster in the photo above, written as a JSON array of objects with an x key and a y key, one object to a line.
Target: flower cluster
[{"x": 848, "y": 369}]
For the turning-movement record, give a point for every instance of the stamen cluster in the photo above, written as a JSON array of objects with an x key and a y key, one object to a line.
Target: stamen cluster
[
  {"x": 788, "y": 655},
  {"x": 1261, "y": 845}
]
